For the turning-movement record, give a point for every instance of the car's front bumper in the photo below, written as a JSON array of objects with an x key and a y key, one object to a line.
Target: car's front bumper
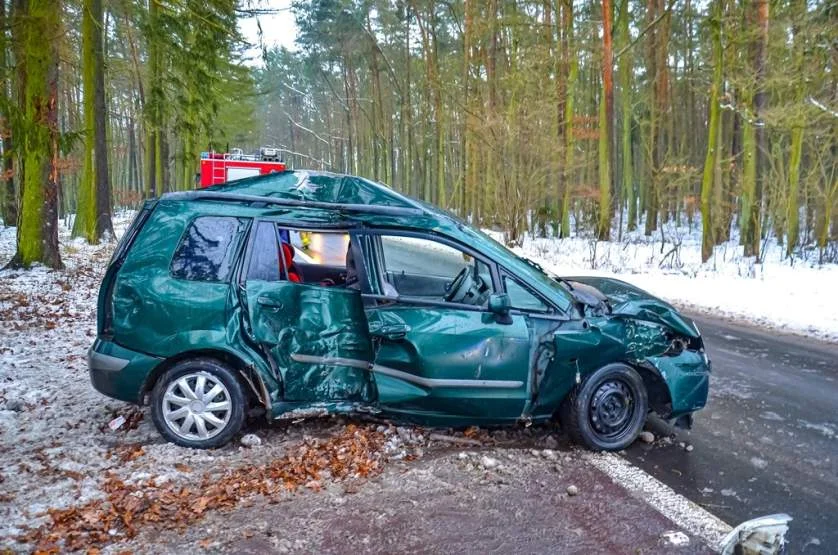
[
  {"x": 119, "y": 372},
  {"x": 687, "y": 375}
]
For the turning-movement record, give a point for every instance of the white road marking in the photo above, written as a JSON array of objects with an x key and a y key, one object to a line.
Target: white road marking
[{"x": 677, "y": 508}]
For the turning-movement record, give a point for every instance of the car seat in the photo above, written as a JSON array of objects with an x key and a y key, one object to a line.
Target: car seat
[{"x": 292, "y": 270}]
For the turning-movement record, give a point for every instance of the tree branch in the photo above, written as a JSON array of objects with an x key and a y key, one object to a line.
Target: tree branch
[{"x": 648, "y": 28}]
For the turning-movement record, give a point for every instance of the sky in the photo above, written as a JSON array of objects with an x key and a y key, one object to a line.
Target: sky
[{"x": 278, "y": 28}]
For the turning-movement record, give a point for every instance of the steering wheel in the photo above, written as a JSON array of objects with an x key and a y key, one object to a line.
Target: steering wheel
[{"x": 458, "y": 288}]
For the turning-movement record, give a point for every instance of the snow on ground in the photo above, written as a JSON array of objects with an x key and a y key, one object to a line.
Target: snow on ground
[
  {"x": 69, "y": 482},
  {"x": 798, "y": 296}
]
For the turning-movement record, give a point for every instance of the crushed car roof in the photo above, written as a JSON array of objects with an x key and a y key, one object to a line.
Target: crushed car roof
[{"x": 317, "y": 187}]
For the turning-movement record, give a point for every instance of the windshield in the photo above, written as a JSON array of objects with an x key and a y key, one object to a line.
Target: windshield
[
  {"x": 532, "y": 263},
  {"x": 546, "y": 277}
]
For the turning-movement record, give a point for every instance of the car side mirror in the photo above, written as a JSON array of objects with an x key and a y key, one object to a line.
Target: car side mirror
[{"x": 499, "y": 305}]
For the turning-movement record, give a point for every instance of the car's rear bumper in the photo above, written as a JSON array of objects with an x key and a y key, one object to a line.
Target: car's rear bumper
[{"x": 119, "y": 372}]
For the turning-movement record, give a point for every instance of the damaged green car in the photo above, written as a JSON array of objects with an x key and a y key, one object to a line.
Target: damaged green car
[{"x": 211, "y": 311}]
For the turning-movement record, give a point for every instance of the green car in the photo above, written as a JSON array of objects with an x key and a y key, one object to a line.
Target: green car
[{"x": 209, "y": 313}]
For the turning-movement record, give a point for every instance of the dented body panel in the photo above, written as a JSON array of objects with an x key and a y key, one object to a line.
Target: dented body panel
[
  {"x": 308, "y": 347},
  {"x": 316, "y": 337},
  {"x": 451, "y": 364}
]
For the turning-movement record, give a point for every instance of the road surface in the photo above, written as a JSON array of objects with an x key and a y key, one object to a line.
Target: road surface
[{"x": 767, "y": 441}]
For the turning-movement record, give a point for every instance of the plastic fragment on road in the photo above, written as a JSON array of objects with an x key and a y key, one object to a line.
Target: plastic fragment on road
[
  {"x": 116, "y": 423},
  {"x": 759, "y": 536}
]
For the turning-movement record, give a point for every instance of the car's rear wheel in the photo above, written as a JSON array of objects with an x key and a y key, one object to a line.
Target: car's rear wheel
[
  {"x": 607, "y": 410},
  {"x": 198, "y": 403}
]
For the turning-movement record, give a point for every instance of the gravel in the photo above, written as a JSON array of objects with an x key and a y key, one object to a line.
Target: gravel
[{"x": 646, "y": 437}]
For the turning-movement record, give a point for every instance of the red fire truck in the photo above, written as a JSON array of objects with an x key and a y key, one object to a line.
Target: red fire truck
[{"x": 218, "y": 167}]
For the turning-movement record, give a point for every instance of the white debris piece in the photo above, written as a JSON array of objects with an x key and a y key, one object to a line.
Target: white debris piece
[
  {"x": 251, "y": 440},
  {"x": 116, "y": 423},
  {"x": 488, "y": 462},
  {"x": 676, "y": 538}
]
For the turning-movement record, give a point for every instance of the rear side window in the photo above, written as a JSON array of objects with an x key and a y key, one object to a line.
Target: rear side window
[
  {"x": 264, "y": 257},
  {"x": 207, "y": 249}
]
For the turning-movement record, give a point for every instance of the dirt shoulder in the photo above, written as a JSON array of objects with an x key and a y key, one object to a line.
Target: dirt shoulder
[{"x": 495, "y": 500}]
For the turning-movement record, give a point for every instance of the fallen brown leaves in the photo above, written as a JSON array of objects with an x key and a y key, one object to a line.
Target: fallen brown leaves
[
  {"x": 126, "y": 453},
  {"x": 354, "y": 453},
  {"x": 35, "y": 311},
  {"x": 47, "y": 306}
]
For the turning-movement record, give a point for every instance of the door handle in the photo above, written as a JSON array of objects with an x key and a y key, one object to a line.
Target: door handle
[
  {"x": 394, "y": 332},
  {"x": 268, "y": 302}
]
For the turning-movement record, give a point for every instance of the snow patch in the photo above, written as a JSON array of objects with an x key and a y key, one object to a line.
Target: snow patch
[{"x": 827, "y": 430}]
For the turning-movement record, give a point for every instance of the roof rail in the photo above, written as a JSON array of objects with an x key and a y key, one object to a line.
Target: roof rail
[{"x": 272, "y": 201}]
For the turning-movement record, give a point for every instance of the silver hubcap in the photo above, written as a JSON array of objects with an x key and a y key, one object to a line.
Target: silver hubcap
[{"x": 197, "y": 406}]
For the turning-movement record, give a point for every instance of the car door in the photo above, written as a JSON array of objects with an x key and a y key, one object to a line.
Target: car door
[
  {"x": 437, "y": 356},
  {"x": 315, "y": 336}
]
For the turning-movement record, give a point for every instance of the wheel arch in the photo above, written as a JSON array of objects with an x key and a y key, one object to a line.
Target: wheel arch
[
  {"x": 657, "y": 390},
  {"x": 250, "y": 379}
]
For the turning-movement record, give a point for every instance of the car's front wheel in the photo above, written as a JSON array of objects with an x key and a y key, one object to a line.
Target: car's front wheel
[
  {"x": 607, "y": 410},
  {"x": 198, "y": 403}
]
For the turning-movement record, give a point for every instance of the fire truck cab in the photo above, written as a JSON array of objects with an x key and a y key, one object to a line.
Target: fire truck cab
[{"x": 218, "y": 167}]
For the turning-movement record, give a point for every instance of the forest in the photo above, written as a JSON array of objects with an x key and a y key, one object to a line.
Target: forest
[{"x": 554, "y": 118}]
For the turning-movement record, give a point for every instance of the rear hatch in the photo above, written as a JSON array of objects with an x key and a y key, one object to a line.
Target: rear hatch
[{"x": 104, "y": 312}]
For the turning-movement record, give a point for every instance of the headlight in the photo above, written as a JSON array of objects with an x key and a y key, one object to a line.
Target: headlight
[{"x": 676, "y": 347}]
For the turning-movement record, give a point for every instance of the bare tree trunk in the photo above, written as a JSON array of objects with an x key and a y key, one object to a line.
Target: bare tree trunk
[
  {"x": 753, "y": 138},
  {"x": 8, "y": 192},
  {"x": 760, "y": 101},
  {"x": 651, "y": 196},
  {"x": 606, "y": 125},
  {"x": 711, "y": 160},
  {"x": 626, "y": 103},
  {"x": 38, "y": 26},
  {"x": 100, "y": 106},
  {"x": 572, "y": 65},
  {"x": 85, "y": 223},
  {"x": 468, "y": 155}
]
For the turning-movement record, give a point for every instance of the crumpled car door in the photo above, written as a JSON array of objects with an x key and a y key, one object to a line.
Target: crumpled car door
[
  {"x": 447, "y": 362},
  {"x": 439, "y": 359},
  {"x": 316, "y": 336}
]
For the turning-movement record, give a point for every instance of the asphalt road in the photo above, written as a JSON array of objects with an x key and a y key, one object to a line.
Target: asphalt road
[{"x": 768, "y": 440}]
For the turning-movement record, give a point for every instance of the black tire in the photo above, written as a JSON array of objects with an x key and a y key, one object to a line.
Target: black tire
[
  {"x": 211, "y": 375},
  {"x": 607, "y": 410}
]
